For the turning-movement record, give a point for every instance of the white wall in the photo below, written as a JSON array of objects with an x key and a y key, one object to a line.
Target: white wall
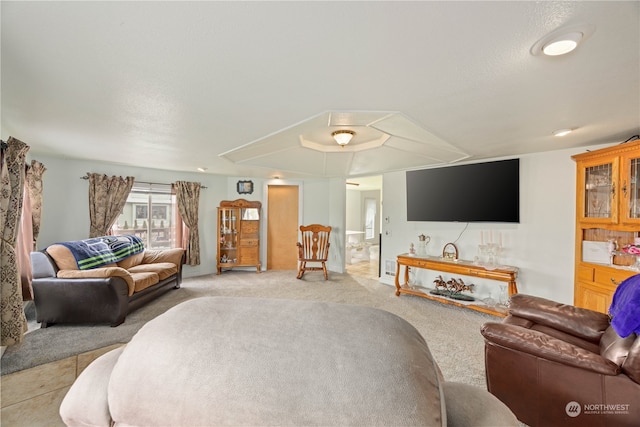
[
  {"x": 65, "y": 213},
  {"x": 541, "y": 245},
  {"x": 354, "y": 211},
  {"x": 337, "y": 213}
]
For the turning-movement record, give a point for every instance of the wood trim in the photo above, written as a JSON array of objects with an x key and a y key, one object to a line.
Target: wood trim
[
  {"x": 240, "y": 203},
  {"x": 606, "y": 152}
]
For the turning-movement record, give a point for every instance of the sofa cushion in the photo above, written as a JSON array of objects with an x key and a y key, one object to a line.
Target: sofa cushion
[
  {"x": 102, "y": 272},
  {"x": 173, "y": 256},
  {"x": 162, "y": 269},
  {"x": 64, "y": 259},
  {"x": 143, "y": 280},
  {"x": 131, "y": 261}
]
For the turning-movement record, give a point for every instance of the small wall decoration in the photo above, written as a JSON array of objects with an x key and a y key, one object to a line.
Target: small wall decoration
[
  {"x": 450, "y": 252},
  {"x": 245, "y": 187}
]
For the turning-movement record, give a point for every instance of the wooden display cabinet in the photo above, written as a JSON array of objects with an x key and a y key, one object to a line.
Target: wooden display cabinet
[
  {"x": 607, "y": 209},
  {"x": 238, "y": 234}
]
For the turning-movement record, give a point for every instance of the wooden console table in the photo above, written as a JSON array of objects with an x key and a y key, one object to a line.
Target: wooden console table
[{"x": 465, "y": 268}]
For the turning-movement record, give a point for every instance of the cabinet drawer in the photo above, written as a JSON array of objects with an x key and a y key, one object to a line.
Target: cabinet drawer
[
  {"x": 249, "y": 259},
  {"x": 585, "y": 274},
  {"x": 249, "y": 242},
  {"x": 611, "y": 278}
]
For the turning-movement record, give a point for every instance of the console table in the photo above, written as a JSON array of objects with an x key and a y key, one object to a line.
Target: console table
[{"x": 466, "y": 268}]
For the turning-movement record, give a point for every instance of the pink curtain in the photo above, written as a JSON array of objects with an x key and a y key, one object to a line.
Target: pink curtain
[
  {"x": 24, "y": 246},
  {"x": 29, "y": 225}
]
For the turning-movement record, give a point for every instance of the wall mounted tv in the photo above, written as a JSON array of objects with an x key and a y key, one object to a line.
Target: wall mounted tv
[{"x": 479, "y": 192}]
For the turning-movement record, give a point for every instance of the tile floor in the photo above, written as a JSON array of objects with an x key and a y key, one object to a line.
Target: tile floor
[
  {"x": 368, "y": 269},
  {"x": 32, "y": 397}
]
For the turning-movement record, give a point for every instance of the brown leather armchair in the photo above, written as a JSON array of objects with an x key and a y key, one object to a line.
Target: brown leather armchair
[{"x": 558, "y": 365}]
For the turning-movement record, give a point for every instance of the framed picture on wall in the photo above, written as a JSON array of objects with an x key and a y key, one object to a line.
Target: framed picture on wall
[{"x": 245, "y": 187}]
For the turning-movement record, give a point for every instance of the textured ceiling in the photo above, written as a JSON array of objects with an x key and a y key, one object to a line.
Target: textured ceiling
[{"x": 238, "y": 87}]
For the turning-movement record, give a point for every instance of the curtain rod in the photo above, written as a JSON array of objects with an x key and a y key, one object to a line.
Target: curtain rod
[{"x": 141, "y": 182}]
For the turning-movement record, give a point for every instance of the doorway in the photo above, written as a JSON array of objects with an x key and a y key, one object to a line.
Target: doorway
[
  {"x": 282, "y": 227},
  {"x": 363, "y": 224}
]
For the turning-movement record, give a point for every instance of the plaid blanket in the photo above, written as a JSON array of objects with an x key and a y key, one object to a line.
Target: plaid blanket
[{"x": 100, "y": 251}]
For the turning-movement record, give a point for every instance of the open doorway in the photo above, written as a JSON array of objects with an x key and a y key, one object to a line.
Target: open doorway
[{"x": 363, "y": 225}]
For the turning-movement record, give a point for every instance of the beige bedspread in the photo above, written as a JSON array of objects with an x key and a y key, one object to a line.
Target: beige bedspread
[{"x": 269, "y": 362}]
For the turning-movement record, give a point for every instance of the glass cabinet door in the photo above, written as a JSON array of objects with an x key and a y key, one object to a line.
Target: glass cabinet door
[
  {"x": 599, "y": 192},
  {"x": 228, "y": 235},
  {"x": 631, "y": 189}
]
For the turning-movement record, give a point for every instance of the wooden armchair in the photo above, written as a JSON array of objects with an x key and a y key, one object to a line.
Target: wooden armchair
[{"x": 314, "y": 248}]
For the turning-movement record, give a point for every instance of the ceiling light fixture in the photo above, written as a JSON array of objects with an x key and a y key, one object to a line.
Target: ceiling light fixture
[
  {"x": 562, "y": 132},
  {"x": 562, "y": 40},
  {"x": 343, "y": 137},
  {"x": 562, "y": 44}
]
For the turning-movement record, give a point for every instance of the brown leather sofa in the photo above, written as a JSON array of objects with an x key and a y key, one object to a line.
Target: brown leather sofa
[
  {"x": 63, "y": 294},
  {"x": 558, "y": 365}
]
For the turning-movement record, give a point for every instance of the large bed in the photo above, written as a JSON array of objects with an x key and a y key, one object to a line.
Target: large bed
[{"x": 258, "y": 362}]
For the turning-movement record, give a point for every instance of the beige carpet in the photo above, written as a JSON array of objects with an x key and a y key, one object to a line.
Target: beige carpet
[{"x": 453, "y": 333}]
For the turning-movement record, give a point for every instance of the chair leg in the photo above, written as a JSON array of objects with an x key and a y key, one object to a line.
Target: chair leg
[
  {"x": 324, "y": 270},
  {"x": 301, "y": 270}
]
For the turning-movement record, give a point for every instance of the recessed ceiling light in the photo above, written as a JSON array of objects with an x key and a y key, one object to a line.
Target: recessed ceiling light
[
  {"x": 562, "y": 41},
  {"x": 562, "y": 44},
  {"x": 562, "y": 132}
]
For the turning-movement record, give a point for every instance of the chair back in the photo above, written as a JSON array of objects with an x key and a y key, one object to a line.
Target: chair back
[{"x": 314, "y": 244}]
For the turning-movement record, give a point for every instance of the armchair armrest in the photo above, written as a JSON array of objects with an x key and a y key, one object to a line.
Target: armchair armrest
[
  {"x": 580, "y": 322},
  {"x": 546, "y": 347}
]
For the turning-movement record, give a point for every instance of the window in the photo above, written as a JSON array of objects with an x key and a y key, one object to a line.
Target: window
[
  {"x": 369, "y": 218},
  {"x": 150, "y": 213}
]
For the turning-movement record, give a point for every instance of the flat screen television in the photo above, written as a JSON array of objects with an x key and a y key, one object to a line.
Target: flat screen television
[{"x": 479, "y": 192}]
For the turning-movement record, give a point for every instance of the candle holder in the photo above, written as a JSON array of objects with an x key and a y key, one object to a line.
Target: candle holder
[{"x": 488, "y": 255}]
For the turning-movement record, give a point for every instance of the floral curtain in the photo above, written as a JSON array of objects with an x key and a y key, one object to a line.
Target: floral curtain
[
  {"x": 12, "y": 174},
  {"x": 107, "y": 197},
  {"x": 34, "y": 186},
  {"x": 188, "y": 198}
]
